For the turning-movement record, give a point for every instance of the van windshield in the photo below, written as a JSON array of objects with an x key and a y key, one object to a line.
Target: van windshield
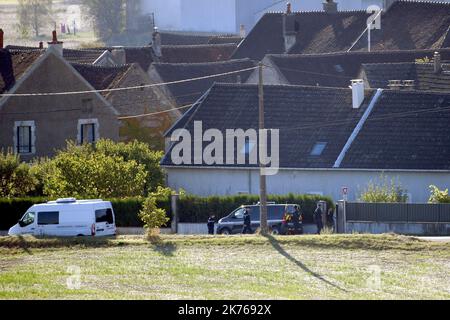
[{"x": 27, "y": 219}]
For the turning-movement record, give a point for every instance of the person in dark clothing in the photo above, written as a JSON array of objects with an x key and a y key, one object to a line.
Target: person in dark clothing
[
  {"x": 211, "y": 224},
  {"x": 296, "y": 216},
  {"x": 318, "y": 218},
  {"x": 247, "y": 223}
]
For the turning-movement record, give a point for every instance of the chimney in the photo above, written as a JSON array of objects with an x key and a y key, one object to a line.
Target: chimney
[
  {"x": 1, "y": 38},
  {"x": 242, "y": 31},
  {"x": 55, "y": 44},
  {"x": 395, "y": 84},
  {"x": 409, "y": 84},
  {"x": 119, "y": 55},
  {"x": 290, "y": 28},
  {"x": 288, "y": 8},
  {"x": 41, "y": 45},
  {"x": 157, "y": 43},
  {"x": 357, "y": 93},
  {"x": 329, "y": 6},
  {"x": 437, "y": 63}
]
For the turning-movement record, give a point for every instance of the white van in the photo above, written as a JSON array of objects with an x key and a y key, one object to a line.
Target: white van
[{"x": 67, "y": 218}]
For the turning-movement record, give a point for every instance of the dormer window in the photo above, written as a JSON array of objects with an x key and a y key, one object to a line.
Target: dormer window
[{"x": 318, "y": 149}]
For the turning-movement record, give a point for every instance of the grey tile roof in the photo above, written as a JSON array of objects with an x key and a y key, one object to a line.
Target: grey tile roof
[
  {"x": 188, "y": 92},
  {"x": 337, "y": 69},
  {"x": 406, "y": 130},
  {"x": 407, "y": 25},
  {"x": 379, "y": 74},
  {"x": 300, "y": 112}
]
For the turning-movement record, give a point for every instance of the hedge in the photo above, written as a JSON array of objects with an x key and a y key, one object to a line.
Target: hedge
[{"x": 191, "y": 209}]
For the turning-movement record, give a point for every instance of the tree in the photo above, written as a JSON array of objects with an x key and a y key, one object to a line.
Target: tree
[
  {"x": 34, "y": 14},
  {"x": 384, "y": 190},
  {"x": 142, "y": 154},
  {"x": 108, "y": 16},
  {"x": 152, "y": 216},
  {"x": 16, "y": 179},
  {"x": 82, "y": 171}
]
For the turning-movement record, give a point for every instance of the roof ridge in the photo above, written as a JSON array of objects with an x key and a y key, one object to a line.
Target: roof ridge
[
  {"x": 195, "y": 64},
  {"x": 198, "y": 45}
]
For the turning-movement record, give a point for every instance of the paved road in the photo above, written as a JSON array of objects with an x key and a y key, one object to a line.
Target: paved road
[{"x": 435, "y": 239}]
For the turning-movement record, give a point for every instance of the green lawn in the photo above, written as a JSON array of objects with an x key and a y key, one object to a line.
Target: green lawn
[{"x": 238, "y": 267}]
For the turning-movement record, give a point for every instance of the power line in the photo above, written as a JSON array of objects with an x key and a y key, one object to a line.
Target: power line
[
  {"x": 125, "y": 88},
  {"x": 154, "y": 113}
]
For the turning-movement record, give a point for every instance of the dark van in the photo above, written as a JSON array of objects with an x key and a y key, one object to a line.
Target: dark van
[{"x": 234, "y": 222}]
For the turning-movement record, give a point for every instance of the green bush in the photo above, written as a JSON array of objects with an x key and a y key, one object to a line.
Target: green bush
[
  {"x": 439, "y": 196},
  {"x": 103, "y": 170},
  {"x": 16, "y": 178},
  {"x": 384, "y": 191}
]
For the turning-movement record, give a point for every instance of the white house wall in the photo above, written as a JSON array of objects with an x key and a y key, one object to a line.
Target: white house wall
[{"x": 207, "y": 182}]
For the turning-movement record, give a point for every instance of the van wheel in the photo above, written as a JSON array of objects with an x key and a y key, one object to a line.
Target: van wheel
[
  {"x": 225, "y": 232},
  {"x": 275, "y": 231}
]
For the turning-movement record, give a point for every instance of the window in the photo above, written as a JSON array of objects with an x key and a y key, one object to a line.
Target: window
[
  {"x": 239, "y": 214},
  {"x": 88, "y": 131},
  {"x": 24, "y": 137},
  {"x": 48, "y": 218},
  {"x": 318, "y": 149},
  {"x": 27, "y": 219},
  {"x": 104, "y": 215}
]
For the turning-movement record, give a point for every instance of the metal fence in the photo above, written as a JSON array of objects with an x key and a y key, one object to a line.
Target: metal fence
[{"x": 397, "y": 212}]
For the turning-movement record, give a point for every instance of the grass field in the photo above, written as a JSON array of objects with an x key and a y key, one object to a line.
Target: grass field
[{"x": 241, "y": 267}]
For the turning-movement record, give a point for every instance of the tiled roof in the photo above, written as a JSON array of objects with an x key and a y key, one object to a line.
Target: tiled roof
[
  {"x": 20, "y": 61},
  {"x": 406, "y": 130},
  {"x": 101, "y": 77},
  {"x": 379, "y": 74},
  {"x": 189, "y": 38},
  {"x": 337, "y": 69},
  {"x": 197, "y": 53},
  {"x": 299, "y": 112},
  {"x": 188, "y": 92},
  {"x": 407, "y": 25},
  {"x": 82, "y": 56}
]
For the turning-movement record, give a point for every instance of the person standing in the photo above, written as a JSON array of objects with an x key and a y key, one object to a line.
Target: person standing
[
  {"x": 211, "y": 225},
  {"x": 247, "y": 223},
  {"x": 318, "y": 218},
  {"x": 296, "y": 216}
]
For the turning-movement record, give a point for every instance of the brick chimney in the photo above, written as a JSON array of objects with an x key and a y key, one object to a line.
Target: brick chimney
[
  {"x": 157, "y": 43},
  {"x": 56, "y": 45},
  {"x": 290, "y": 28},
  {"x": 119, "y": 54},
  {"x": 1, "y": 38},
  {"x": 329, "y": 6},
  {"x": 41, "y": 45},
  {"x": 437, "y": 63}
]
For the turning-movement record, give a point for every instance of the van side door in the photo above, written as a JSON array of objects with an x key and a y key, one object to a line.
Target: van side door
[{"x": 48, "y": 224}]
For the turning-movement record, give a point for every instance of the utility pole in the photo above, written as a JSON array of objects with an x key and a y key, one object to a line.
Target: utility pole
[{"x": 262, "y": 174}]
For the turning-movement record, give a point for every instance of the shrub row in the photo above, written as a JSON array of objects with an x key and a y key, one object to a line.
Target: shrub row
[{"x": 191, "y": 209}]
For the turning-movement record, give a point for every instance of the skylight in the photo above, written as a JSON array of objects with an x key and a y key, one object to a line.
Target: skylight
[{"x": 318, "y": 149}]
